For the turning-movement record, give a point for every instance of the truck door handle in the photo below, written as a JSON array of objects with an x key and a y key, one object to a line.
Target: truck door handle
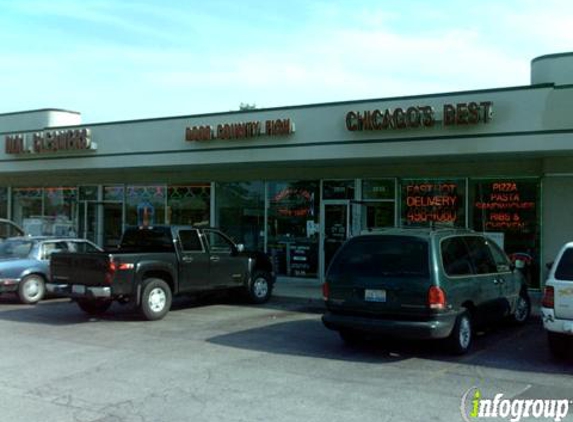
[
  {"x": 187, "y": 259},
  {"x": 498, "y": 281},
  {"x": 215, "y": 259}
]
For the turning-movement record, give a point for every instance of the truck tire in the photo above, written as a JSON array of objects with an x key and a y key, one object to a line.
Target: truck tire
[
  {"x": 94, "y": 306},
  {"x": 461, "y": 338},
  {"x": 155, "y": 299},
  {"x": 31, "y": 289},
  {"x": 260, "y": 287}
]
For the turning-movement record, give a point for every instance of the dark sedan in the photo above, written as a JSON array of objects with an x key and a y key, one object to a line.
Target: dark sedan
[{"x": 25, "y": 263}]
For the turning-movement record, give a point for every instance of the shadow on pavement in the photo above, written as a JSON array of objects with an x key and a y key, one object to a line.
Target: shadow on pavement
[{"x": 504, "y": 347}]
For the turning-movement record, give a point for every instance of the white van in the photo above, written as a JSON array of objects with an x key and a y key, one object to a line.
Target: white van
[{"x": 557, "y": 304}]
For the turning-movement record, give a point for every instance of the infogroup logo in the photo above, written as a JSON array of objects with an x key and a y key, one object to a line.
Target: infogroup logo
[{"x": 474, "y": 407}]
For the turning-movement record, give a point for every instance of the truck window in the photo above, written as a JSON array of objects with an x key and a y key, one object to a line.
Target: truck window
[
  {"x": 190, "y": 241},
  {"x": 218, "y": 243},
  {"x": 147, "y": 240}
]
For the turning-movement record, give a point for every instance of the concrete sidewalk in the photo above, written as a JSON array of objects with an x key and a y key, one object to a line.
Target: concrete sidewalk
[{"x": 309, "y": 292}]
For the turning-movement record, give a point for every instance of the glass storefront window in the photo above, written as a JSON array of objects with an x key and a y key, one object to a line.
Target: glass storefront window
[
  {"x": 338, "y": 189},
  {"x": 113, "y": 193},
  {"x": 382, "y": 189},
  {"x": 438, "y": 202},
  {"x": 27, "y": 209},
  {"x": 50, "y": 211},
  {"x": 293, "y": 227},
  {"x": 60, "y": 206},
  {"x": 189, "y": 204},
  {"x": 509, "y": 211},
  {"x": 145, "y": 205},
  {"x": 240, "y": 212},
  {"x": 3, "y": 202}
]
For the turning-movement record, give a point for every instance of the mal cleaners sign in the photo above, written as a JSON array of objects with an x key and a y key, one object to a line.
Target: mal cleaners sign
[{"x": 49, "y": 141}]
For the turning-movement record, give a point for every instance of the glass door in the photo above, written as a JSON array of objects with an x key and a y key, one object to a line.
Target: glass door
[
  {"x": 336, "y": 229},
  {"x": 101, "y": 222}
]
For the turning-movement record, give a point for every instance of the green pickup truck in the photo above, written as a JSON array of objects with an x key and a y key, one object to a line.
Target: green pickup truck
[{"x": 152, "y": 264}]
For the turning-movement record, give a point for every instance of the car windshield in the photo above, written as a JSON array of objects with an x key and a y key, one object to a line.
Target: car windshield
[
  {"x": 382, "y": 256},
  {"x": 16, "y": 248}
]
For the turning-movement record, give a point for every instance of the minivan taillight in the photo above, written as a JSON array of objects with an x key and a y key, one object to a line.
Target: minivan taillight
[
  {"x": 325, "y": 291},
  {"x": 436, "y": 298},
  {"x": 548, "y": 300}
]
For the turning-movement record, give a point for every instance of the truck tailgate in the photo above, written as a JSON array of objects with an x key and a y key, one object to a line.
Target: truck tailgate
[{"x": 89, "y": 269}]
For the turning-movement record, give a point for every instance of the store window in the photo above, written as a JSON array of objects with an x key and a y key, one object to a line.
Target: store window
[
  {"x": 50, "y": 211},
  {"x": 60, "y": 211},
  {"x": 189, "y": 204},
  {"x": 433, "y": 202},
  {"x": 338, "y": 189},
  {"x": 145, "y": 205},
  {"x": 240, "y": 212},
  {"x": 378, "y": 204},
  {"x": 293, "y": 227},
  {"x": 509, "y": 211},
  {"x": 4, "y": 202}
]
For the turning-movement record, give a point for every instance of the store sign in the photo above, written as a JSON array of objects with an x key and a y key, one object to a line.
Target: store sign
[
  {"x": 460, "y": 114},
  {"x": 432, "y": 202},
  {"x": 506, "y": 206},
  {"x": 49, "y": 141},
  {"x": 243, "y": 130}
]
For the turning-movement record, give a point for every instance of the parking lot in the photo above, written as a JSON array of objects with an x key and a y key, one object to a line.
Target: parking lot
[{"x": 221, "y": 360}]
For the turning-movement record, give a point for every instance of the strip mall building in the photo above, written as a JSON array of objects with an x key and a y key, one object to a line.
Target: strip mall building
[{"x": 297, "y": 181}]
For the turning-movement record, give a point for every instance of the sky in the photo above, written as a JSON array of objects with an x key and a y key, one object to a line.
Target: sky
[{"x": 126, "y": 60}]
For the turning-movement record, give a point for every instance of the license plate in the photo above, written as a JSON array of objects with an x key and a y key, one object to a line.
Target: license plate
[
  {"x": 78, "y": 289},
  {"x": 374, "y": 295}
]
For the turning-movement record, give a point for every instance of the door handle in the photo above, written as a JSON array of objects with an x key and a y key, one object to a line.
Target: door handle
[
  {"x": 215, "y": 259},
  {"x": 498, "y": 281},
  {"x": 187, "y": 259}
]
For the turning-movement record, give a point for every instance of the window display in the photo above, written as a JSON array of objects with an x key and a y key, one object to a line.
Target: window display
[
  {"x": 508, "y": 210},
  {"x": 293, "y": 227},
  {"x": 433, "y": 202},
  {"x": 240, "y": 212}
]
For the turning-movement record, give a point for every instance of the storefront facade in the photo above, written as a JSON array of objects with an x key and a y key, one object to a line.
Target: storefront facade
[{"x": 297, "y": 181}]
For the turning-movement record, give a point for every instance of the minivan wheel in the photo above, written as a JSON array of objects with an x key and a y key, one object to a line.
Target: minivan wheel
[
  {"x": 461, "y": 338},
  {"x": 522, "y": 309}
]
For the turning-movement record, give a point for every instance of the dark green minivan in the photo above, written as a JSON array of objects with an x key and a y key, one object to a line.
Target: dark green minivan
[{"x": 422, "y": 284}]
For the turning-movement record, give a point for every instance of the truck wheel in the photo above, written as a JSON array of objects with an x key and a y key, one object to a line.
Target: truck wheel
[
  {"x": 522, "y": 309},
  {"x": 460, "y": 339},
  {"x": 94, "y": 306},
  {"x": 31, "y": 289},
  {"x": 260, "y": 287},
  {"x": 155, "y": 299}
]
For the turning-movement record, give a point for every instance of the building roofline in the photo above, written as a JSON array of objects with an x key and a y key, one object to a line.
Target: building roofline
[
  {"x": 552, "y": 56},
  {"x": 325, "y": 104},
  {"x": 38, "y": 111}
]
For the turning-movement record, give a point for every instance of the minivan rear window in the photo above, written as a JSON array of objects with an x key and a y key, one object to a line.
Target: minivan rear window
[
  {"x": 382, "y": 256},
  {"x": 564, "y": 269}
]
